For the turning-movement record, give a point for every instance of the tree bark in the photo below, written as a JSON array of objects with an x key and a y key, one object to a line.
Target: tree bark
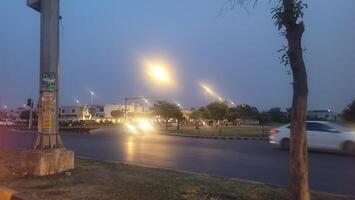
[{"x": 298, "y": 146}]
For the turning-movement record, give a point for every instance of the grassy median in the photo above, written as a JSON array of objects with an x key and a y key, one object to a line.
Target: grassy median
[
  {"x": 104, "y": 180},
  {"x": 255, "y": 131},
  {"x": 230, "y": 131}
]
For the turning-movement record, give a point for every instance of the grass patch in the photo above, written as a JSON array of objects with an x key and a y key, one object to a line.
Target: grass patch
[
  {"x": 230, "y": 131},
  {"x": 93, "y": 180}
]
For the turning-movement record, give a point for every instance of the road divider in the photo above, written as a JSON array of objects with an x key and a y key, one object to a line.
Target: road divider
[{"x": 216, "y": 137}]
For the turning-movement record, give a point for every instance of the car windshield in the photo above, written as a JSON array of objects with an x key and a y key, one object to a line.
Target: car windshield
[{"x": 339, "y": 127}]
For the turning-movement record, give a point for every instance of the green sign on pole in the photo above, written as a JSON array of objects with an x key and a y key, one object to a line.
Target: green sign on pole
[{"x": 49, "y": 81}]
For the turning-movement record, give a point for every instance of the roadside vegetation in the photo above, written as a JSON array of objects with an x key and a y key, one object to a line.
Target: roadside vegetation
[
  {"x": 254, "y": 131},
  {"x": 92, "y": 180}
]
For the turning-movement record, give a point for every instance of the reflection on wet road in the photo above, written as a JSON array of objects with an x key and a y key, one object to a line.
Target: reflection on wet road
[{"x": 252, "y": 160}]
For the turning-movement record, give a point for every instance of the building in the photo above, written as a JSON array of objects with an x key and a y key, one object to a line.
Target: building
[
  {"x": 12, "y": 114},
  {"x": 71, "y": 113},
  {"x": 100, "y": 113},
  {"x": 327, "y": 115}
]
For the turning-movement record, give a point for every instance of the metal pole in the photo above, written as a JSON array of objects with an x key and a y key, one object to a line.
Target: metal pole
[
  {"x": 125, "y": 109},
  {"x": 48, "y": 137},
  {"x": 30, "y": 119}
]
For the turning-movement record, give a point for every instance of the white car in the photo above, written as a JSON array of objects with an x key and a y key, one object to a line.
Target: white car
[{"x": 320, "y": 136}]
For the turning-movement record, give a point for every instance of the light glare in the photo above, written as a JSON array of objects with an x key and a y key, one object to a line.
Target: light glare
[{"x": 159, "y": 73}]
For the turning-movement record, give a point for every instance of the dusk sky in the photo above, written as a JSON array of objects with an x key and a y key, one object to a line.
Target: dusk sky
[{"x": 104, "y": 44}]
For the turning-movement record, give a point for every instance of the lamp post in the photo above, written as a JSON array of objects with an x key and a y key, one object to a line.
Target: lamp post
[
  {"x": 77, "y": 102},
  {"x": 92, "y": 93}
]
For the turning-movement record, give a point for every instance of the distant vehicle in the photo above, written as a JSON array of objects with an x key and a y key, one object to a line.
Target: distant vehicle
[
  {"x": 6, "y": 123},
  {"x": 320, "y": 136},
  {"x": 138, "y": 127}
]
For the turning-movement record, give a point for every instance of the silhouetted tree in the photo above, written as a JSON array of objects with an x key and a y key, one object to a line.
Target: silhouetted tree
[
  {"x": 263, "y": 117},
  {"x": 196, "y": 115},
  {"x": 348, "y": 113},
  {"x": 218, "y": 111},
  {"x": 243, "y": 112},
  {"x": 168, "y": 111},
  {"x": 277, "y": 115}
]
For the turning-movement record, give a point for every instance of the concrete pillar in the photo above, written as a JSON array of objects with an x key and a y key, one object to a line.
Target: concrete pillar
[
  {"x": 48, "y": 137},
  {"x": 48, "y": 155}
]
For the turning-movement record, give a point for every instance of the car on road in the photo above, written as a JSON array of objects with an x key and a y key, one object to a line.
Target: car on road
[{"x": 321, "y": 135}]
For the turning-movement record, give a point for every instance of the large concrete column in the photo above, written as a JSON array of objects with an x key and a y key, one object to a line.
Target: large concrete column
[
  {"x": 48, "y": 137},
  {"x": 48, "y": 155}
]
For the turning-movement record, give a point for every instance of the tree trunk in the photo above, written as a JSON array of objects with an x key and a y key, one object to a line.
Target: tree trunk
[
  {"x": 178, "y": 125},
  {"x": 298, "y": 145},
  {"x": 166, "y": 124}
]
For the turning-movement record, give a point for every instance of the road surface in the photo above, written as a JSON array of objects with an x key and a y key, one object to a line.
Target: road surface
[{"x": 252, "y": 160}]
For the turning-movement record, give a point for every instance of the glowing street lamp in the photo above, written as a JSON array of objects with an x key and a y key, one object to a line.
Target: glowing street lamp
[
  {"x": 146, "y": 101},
  {"x": 159, "y": 73},
  {"x": 77, "y": 101},
  {"x": 209, "y": 91},
  {"x": 178, "y": 104},
  {"x": 231, "y": 103},
  {"x": 92, "y": 93}
]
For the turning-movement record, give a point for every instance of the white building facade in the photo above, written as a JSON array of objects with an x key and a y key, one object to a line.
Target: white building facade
[{"x": 100, "y": 113}]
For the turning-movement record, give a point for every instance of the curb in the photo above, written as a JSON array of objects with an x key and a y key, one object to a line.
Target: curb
[
  {"x": 217, "y": 137},
  {"x": 9, "y": 194}
]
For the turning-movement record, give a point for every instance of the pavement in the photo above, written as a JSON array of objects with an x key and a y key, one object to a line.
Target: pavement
[{"x": 242, "y": 159}]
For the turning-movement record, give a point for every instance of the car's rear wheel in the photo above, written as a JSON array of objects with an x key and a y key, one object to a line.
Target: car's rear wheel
[
  {"x": 285, "y": 144},
  {"x": 349, "y": 148}
]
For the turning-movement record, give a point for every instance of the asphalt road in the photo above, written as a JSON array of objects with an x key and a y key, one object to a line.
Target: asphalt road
[{"x": 252, "y": 160}]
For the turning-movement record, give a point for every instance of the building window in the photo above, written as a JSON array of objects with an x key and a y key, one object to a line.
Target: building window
[
  {"x": 63, "y": 111},
  {"x": 73, "y": 110}
]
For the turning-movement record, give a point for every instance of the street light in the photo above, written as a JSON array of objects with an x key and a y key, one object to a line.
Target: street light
[
  {"x": 146, "y": 101},
  {"x": 209, "y": 91},
  {"x": 231, "y": 103},
  {"x": 92, "y": 93},
  {"x": 159, "y": 73},
  {"x": 77, "y": 101},
  {"x": 178, "y": 104}
]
